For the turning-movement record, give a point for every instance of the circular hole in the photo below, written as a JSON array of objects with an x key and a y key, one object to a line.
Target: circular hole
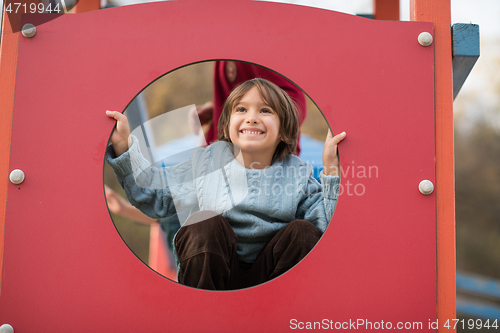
[{"x": 159, "y": 116}]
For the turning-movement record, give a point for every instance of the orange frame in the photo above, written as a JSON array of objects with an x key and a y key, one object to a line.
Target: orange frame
[{"x": 439, "y": 12}]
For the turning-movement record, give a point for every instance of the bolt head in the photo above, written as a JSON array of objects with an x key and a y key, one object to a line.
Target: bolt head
[
  {"x": 426, "y": 187},
  {"x": 6, "y": 328},
  {"x": 16, "y": 177},
  {"x": 425, "y": 39},
  {"x": 29, "y": 30}
]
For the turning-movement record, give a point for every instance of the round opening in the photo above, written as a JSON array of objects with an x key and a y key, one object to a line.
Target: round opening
[{"x": 173, "y": 121}]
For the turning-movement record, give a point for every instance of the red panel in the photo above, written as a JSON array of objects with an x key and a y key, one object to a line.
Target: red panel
[
  {"x": 8, "y": 60},
  {"x": 65, "y": 266}
]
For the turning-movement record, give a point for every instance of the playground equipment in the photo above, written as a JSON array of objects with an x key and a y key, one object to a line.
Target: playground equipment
[{"x": 386, "y": 83}]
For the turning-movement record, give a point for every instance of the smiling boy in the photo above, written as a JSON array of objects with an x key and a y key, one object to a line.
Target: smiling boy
[{"x": 237, "y": 236}]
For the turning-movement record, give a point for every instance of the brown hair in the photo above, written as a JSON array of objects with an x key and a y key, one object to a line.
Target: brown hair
[{"x": 279, "y": 101}]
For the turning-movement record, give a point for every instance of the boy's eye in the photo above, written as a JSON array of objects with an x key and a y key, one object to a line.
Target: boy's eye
[
  {"x": 240, "y": 109},
  {"x": 266, "y": 111}
]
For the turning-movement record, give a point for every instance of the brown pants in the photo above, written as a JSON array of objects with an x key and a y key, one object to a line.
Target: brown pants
[{"x": 206, "y": 249}]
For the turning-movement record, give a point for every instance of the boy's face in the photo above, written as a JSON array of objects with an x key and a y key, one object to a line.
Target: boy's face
[{"x": 254, "y": 126}]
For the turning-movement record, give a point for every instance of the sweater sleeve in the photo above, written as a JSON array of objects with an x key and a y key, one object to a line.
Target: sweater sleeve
[
  {"x": 157, "y": 192},
  {"x": 319, "y": 200}
]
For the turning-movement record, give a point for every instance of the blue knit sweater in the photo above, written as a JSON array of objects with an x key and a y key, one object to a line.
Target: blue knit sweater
[{"x": 256, "y": 202}]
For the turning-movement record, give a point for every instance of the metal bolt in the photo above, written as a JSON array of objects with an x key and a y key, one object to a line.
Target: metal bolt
[
  {"x": 425, "y": 39},
  {"x": 16, "y": 177},
  {"x": 426, "y": 187},
  {"x": 6, "y": 328},
  {"x": 29, "y": 30}
]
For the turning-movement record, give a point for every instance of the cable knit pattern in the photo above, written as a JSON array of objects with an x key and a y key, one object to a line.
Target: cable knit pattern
[{"x": 257, "y": 203}]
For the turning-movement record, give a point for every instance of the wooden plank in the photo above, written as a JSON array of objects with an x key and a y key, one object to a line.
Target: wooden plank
[
  {"x": 386, "y": 10},
  {"x": 8, "y": 65},
  {"x": 466, "y": 51},
  {"x": 439, "y": 12}
]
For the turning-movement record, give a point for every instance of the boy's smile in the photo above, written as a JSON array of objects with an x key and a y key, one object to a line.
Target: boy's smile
[{"x": 254, "y": 128}]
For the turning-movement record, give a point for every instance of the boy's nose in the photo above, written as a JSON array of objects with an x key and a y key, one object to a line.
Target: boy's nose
[
  {"x": 252, "y": 117},
  {"x": 252, "y": 120}
]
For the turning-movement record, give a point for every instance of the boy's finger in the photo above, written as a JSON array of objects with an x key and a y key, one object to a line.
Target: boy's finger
[
  {"x": 111, "y": 114},
  {"x": 116, "y": 115},
  {"x": 339, "y": 137}
]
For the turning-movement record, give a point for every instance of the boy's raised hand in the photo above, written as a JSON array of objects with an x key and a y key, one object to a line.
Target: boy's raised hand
[
  {"x": 121, "y": 135},
  {"x": 330, "y": 156}
]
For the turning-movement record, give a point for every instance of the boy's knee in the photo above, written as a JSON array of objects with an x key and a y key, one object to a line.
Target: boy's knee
[
  {"x": 202, "y": 216},
  {"x": 201, "y": 225},
  {"x": 303, "y": 231},
  {"x": 301, "y": 226},
  {"x": 202, "y": 229}
]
